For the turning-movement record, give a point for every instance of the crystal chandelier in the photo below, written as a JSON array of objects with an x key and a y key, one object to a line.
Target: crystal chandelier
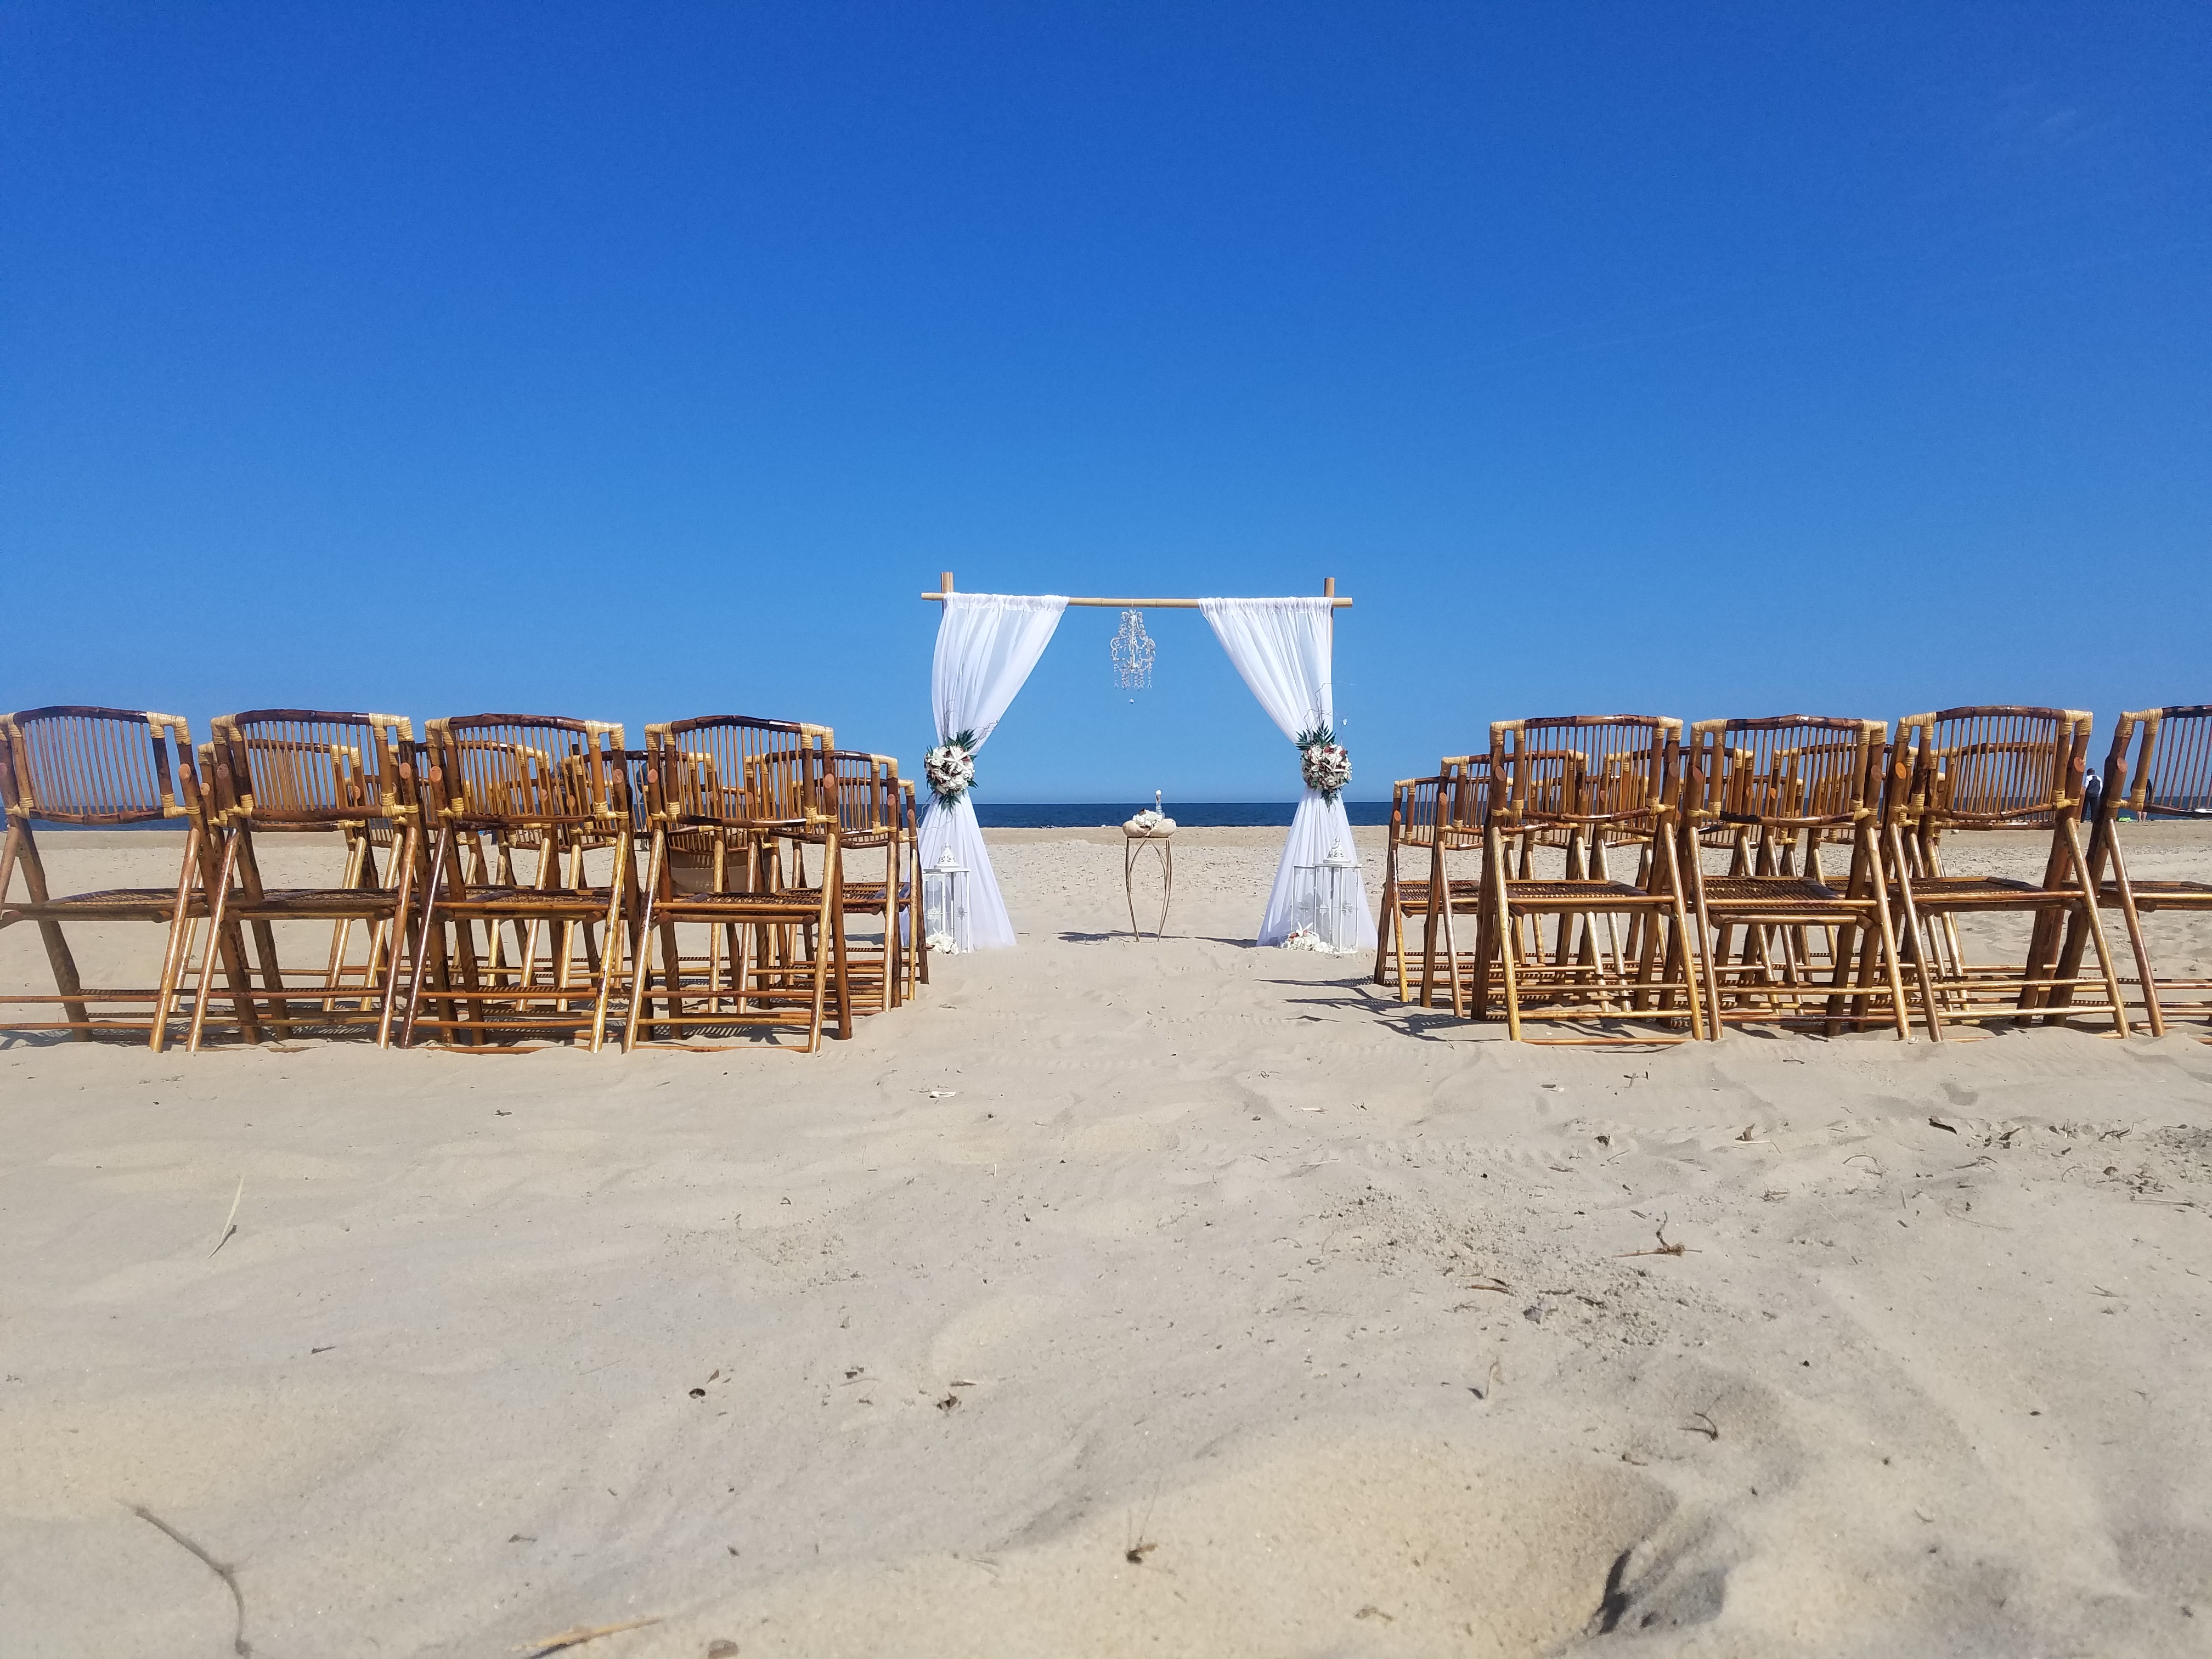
[{"x": 1132, "y": 651}]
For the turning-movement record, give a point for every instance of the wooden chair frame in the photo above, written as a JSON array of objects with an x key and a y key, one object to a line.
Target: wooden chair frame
[
  {"x": 1425, "y": 811},
  {"x": 1597, "y": 779},
  {"x": 872, "y": 815},
  {"x": 1983, "y": 768},
  {"x": 2160, "y": 768},
  {"x": 92, "y": 767},
  {"x": 1781, "y": 943},
  {"x": 294, "y": 771},
  {"x": 751, "y": 795},
  {"x": 549, "y": 784}
]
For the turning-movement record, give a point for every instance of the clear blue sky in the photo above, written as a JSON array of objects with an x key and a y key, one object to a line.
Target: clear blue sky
[{"x": 636, "y": 362}]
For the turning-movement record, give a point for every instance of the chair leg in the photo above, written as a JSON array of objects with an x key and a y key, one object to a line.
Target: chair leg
[
  {"x": 218, "y": 901},
  {"x": 1888, "y": 927},
  {"x": 401, "y": 901},
  {"x": 179, "y": 942},
  {"x": 2152, "y": 1014},
  {"x": 423, "y": 938},
  {"x": 641, "y": 972},
  {"x": 2096, "y": 925},
  {"x": 611, "y": 957},
  {"x": 1689, "y": 946},
  {"x": 1912, "y": 933}
]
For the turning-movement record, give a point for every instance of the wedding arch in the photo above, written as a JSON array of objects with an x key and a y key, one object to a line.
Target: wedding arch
[{"x": 987, "y": 643}]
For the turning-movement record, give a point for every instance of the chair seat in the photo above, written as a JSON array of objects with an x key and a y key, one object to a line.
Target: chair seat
[
  {"x": 527, "y": 901},
  {"x": 1416, "y": 893},
  {"x": 316, "y": 904},
  {"x": 788, "y": 902},
  {"x": 2159, "y": 895},
  {"x": 1986, "y": 893},
  {"x": 1579, "y": 895},
  {"x": 1771, "y": 893},
  {"x": 109, "y": 904}
]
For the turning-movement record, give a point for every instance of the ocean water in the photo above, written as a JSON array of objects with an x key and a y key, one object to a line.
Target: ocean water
[{"x": 1090, "y": 814}]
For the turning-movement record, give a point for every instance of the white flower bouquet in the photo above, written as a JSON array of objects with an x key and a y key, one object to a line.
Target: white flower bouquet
[
  {"x": 951, "y": 767},
  {"x": 1324, "y": 761}
]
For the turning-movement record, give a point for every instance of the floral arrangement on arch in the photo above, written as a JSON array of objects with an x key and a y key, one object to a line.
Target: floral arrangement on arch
[
  {"x": 1324, "y": 761},
  {"x": 951, "y": 767}
]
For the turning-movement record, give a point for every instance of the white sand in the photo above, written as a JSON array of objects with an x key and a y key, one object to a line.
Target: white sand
[{"x": 1186, "y": 1246}]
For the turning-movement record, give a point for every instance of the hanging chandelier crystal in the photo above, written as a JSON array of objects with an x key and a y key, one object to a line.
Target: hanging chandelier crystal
[{"x": 1132, "y": 651}]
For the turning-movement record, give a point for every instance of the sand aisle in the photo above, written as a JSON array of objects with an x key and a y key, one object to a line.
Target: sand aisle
[{"x": 1180, "y": 1299}]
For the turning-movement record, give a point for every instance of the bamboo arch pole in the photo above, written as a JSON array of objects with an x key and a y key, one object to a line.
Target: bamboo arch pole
[{"x": 1328, "y": 590}]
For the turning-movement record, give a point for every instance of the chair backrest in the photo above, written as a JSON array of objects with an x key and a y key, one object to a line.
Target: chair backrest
[
  {"x": 528, "y": 771},
  {"x": 736, "y": 769},
  {"x": 2172, "y": 773},
  {"x": 278, "y": 767},
  {"x": 1787, "y": 771},
  {"x": 69, "y": 764},
  {"x": 867, "y": 791},
  {"x": 1594, "y": 770},
  {"x": 1994, "y": 767}
]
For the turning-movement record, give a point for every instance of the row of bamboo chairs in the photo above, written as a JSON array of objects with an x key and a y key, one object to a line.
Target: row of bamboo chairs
[
  {"x": 1828, "y": 905},
  {"x": 508, "y": 878}
]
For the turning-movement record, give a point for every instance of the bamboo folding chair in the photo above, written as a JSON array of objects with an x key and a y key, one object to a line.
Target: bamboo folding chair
[
  {"x": 2168, "y": 776},
  {"x": 94, "y": 767},
  {"x": 548, "y": 787},
  {"x": 917, "y": 951},
  {"x": 292, "y": 770},
  {"x": 871, "y": 818},
  {"x": 1420, "y": 809},
  {"x": 1783, "y": 945},
  {"x": 749, "y": 796},
  {"x": 1986, "y": 769},
  {"x": 1595, "y": 781},
  {"x": 371, "y": 850}
]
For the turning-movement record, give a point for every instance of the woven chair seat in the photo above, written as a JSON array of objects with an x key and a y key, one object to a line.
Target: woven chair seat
[
  {"x": 479, "y": 900},
  {"x": 317, "y": 903},
  {"x": 1415, "y": 894},
  {"x": 2155, "y": 894},
  {"x": 1589, "y": 895},
  {"x": 789, "y": 901},
  {"x": 1771, "y": 892},
  {"x": 1986, "y": 892},
  {"x": 110, "y": 904}
]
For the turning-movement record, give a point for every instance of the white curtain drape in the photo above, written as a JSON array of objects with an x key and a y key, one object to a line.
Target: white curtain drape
[
  {"x": 1282, "y": 648},
  {"x": 986, "y": 644}
]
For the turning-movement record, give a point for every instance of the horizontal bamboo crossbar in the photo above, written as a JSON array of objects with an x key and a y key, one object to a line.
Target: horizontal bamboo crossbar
[
  {"x": 1141, "y": 605},
  {"x": 1328, "y": 589}
]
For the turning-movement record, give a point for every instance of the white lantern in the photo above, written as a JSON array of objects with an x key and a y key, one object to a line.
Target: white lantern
[
  {"x": 1327, "y": 903},
  {"x": 945, "y": 903}
]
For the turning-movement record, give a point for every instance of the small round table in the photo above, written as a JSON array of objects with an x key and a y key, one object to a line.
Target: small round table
[{"x": 1134, "y": 841}]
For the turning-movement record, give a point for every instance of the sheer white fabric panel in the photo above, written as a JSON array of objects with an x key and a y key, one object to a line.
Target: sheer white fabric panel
[
  {"x": 1282, "y": 648},
  {"x": 987, "y": 643}
]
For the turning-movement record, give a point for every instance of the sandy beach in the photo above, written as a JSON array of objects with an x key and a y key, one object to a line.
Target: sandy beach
[{"x": 1116, "y": 1297}]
